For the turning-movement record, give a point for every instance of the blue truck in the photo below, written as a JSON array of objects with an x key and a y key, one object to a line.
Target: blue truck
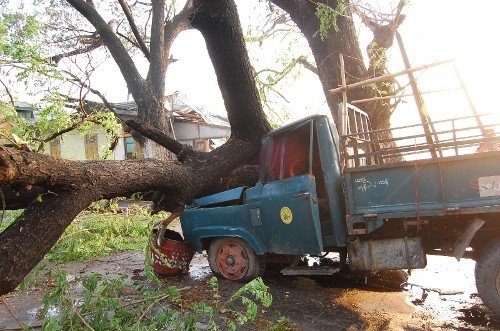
[{"x": 381, "y": 202}]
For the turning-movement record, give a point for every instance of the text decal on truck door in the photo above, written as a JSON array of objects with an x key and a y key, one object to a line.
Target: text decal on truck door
[{"x": 489, "y": 186}]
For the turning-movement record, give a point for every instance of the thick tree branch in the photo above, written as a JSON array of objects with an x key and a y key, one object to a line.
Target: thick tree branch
[
  {"x": 25, "y": 242},
  {"x": 176, "y": 25},
  {"x": 219, "y": 24},
  {"x": 127, "y": 67},
  {"x": 157, "y": 67},
  {"x": 162, "y": 139},
  {"x": 41, "y": 170},
  {"x": 19, "y": 197},
  {"x": 133, "y": 27}
]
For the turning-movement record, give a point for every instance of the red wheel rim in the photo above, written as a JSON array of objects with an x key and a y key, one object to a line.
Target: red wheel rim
[{"x": 232, "y": 260}]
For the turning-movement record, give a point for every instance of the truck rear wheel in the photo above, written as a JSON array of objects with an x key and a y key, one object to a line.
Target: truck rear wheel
[
  {"x": 488, "y": 277},
  {"x": 234, "y": 259}
]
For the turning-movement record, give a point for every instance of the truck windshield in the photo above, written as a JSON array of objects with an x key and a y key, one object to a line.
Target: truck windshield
[{"x": 287, "y": 154}]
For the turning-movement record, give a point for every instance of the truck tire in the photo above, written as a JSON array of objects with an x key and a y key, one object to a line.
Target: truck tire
[
  {"x": 487, "y": 273},
  {"x": 234, "y": 259}
]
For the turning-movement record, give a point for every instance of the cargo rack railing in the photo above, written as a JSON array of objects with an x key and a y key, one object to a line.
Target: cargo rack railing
[{"x": 452, "y": 137}]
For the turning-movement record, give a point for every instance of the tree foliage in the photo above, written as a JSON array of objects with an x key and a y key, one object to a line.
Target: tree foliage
[{"x": 29, "y": 73}]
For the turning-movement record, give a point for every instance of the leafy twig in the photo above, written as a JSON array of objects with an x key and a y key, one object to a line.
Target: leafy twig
[{"x": 82, "y": 319}]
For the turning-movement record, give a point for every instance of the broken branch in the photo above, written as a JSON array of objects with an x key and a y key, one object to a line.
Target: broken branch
[
  {"x": 161, "y": 138},
  {"x": 133, "y": 27}
]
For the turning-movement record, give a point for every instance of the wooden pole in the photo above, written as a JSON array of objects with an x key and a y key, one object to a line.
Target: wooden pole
[
  {"x": 344, "y": 96},
  {"x": 424, "y": 117},
  {"x": 471, "y": 103},
  {"x": 402, "y": 95},
  {"x": 384, "y": 77}
]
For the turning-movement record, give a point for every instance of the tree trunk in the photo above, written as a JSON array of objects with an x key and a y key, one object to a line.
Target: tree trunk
[
  {"x": 73, "y": 185},
  {"x": 326, "y": 54},
  {"x": 20, "y": 196}
]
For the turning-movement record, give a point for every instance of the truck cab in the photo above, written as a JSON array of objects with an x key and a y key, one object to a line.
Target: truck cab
[{"x": 296, "y": 208}]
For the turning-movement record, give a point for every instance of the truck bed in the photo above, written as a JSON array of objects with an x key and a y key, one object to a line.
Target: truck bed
[
  {"x": 436, "y": 186},
  {"x": 467, "y": 184}
]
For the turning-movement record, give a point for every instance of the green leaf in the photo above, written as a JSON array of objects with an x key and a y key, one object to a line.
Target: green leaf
[{"x": 328, "y": 17}]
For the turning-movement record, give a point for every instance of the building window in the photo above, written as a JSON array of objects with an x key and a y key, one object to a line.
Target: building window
[
  {"x": 27, "y": 114},
  {"x": 200, "y": 145},
  {"x": 132, "y": 149},
  {"x": 55, "y": 147},
  {"x": 91, "y": 147}
]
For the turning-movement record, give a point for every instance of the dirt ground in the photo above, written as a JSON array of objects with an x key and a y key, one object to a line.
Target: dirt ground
[{"x": 441, "y": 296}]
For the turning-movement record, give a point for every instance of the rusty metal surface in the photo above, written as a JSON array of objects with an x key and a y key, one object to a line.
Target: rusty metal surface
[
  {"x": 385, "y": 254},
  {"x": 309, "y": 271},
  {"x": 465, "y": 184}
]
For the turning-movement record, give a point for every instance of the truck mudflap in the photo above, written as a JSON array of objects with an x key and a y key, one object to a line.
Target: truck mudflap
[{"x": 385, "y": 254}]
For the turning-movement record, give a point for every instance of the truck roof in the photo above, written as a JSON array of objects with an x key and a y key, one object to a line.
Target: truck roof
[{"x": 293, "y": 126}]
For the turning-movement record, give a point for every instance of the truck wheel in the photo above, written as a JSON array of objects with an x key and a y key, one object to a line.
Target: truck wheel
[
  {"x": 488, "y": 277},
  {"x": 234, "y": 259}
]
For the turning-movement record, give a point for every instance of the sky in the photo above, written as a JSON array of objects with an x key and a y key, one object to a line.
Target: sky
[
  {"x": 460, "y": 30},
  {"x": 433, "y": 30}
]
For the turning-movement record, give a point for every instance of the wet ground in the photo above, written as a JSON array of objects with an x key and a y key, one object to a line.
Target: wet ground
[{"x": 441, "y": 296}]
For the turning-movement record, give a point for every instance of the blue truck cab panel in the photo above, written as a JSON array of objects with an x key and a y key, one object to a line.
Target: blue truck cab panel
[
  {"x": 278, "y": 218},
  {"x": 296, "y": 208}
]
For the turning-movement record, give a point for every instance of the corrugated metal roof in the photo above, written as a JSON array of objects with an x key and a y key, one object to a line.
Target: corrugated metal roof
[{"x": 182, "y": 110}]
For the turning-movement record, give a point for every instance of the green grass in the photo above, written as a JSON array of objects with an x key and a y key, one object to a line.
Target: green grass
[
  {"x": 9, "y": 217},
  {"x": 93, "y": 235}
]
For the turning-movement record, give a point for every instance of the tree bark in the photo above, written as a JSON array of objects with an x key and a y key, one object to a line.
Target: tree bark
[
  {"x": 218, "y": 20},
  {"x": 28, "y": 239},
  {"x": 326, "y": 52},
  {"x": 345, "y": 41},
  {"x": 19, "y": 197},
  {"x": 73, "y": 185}
]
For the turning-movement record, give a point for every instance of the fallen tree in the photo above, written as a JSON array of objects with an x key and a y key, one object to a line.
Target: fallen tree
[
  {"x": 72, "y": 185},
  {"x": 69, "y": 186}
]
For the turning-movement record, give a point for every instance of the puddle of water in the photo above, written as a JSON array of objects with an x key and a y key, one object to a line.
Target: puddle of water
[
  {"x": 53, "y": 311},
  {"x": 328, "y": 258},
  {"x": 32, "y": 317},
  {"x": 199, "y": 272},
  {"x": 447, "y": 289},
  {"x": 199, "y": 269}
]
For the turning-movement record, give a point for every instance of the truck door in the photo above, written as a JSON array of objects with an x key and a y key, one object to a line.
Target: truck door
[{"x": 289, "y": 205}]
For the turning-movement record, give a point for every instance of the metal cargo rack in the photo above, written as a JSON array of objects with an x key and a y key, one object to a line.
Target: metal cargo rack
[{"x": 451, "y": 137}]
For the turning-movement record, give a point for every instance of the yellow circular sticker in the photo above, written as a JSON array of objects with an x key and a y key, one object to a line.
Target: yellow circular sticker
[{"x": 286, "y": 215}]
